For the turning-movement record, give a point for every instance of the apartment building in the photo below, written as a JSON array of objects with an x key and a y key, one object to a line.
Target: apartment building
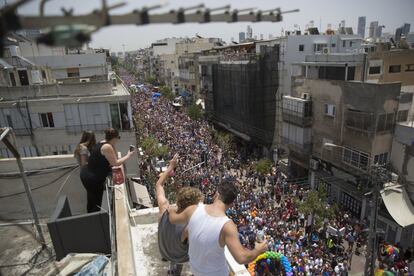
[
  {"x": 293, "y": 49},
  {"x": 167, "y": 68},
  {"x": 338, "y": 130},
  {"x": 49, "y": 114},
  {"x": 391, "y": 65},
  {"x": 240, "y": 88}
]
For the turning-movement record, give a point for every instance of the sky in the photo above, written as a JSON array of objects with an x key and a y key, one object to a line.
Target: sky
[{"x": 391, "y": 13}]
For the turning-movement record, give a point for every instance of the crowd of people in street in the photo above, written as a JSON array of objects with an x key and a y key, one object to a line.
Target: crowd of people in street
[{"x": 267, "y": 205}]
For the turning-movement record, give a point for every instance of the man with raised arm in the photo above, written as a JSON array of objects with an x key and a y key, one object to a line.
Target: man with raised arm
[
  {"x": 209, "y": 230},
  {"x": 172, "y": 239}
]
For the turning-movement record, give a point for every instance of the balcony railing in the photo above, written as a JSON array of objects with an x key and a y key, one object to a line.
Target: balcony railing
[
  {"x": 296, "y": 118},
  {"x": 76, "y": 129}
]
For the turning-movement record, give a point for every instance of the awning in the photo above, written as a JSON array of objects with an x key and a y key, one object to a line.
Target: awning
[{"x": 398, "y": 204}]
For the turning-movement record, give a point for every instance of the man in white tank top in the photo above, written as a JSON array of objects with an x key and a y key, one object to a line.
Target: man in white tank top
[{"x": 210, "y": 230}]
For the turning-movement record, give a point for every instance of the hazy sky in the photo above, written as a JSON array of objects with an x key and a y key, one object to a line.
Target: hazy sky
[{"x": 391, "y": 13}]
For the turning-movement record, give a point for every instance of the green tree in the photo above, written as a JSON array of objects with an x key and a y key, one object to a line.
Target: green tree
[
  {"x": 195, "y": 112},
  {"x": 149, "y": 145},
  {"x": 224, "y": 140},
  {"x": 150, "y": 79},
  {"x": 167, "y": 93},
  {"x": 264, "y": 166},
  {"x": 316, "y": 204},
  {"x": 152, "y": 147},
  {"x": 162, "y": 151}
]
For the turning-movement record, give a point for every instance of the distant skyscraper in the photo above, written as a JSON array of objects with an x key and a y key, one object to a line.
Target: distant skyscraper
[
  {"x": 362, "y": 21},
  {"x": 242, "y": 37},
  {"x": 373, "y": 26},
  {"x": 398, "y": 33},
  {"x": 405, "y": 29},
  {"x": 249, "y": 32},
  {"x": 378, "y": 31}
]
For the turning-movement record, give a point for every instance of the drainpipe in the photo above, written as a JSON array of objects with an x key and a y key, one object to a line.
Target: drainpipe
[{"x": 346, "y": 71}]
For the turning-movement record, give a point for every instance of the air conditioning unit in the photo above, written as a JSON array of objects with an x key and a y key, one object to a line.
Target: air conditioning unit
[
  {"x": 314, "y": 164},
  {"x": 305, "y": 96},
  {"x": 326, "y": 50},
  {"x": 85, "y": 80}
]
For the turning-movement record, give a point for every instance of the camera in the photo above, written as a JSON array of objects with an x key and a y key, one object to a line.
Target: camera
[{"x": 131, "y": 147}]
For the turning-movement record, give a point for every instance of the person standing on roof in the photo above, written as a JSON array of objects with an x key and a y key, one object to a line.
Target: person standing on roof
[
  {"x": 209, "y": 230},
  {"x": 85, "y": 146},
  {"x": 101, "y": 159}
]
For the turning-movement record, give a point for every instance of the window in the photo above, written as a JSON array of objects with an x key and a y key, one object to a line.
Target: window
[
  {"x": 119, "y": 116},
  {"x": 351, "y": 43},
  {"x": 394, "y": 69},
  {"x": 355, "y": 158},
  {"x": 374, "y": 70},
  {"x": 385, "y": 122},
  {"x": 43, "y": 74},
  {"x": 72, "y": 72},
  {"x": 344, "y": 43},
  {"x": 172, "y": 61},
  {"x": 409, "y": 68},
  {"x": 402, "y": 116},
  {"x": 381, "y": 158},
  {"x": 301, "y": 47},
  {"x": 46, "y": 119},
  {"x": 24, "y": 79},
  {"x": 319, "y": 47},
  {"x": 351, "y": 204},
  {"x": 12, "y": 79},
  {"x": 333, "y": 45},
  {"x": 330, "y": 110},
  {"x": 9, "y": 120}
]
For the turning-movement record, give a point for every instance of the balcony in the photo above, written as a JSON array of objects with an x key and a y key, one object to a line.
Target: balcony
[
  {"x": 56, "y": 90},
  {"x": 297, "y": 111},
  {"x": 296, "y": 118}
]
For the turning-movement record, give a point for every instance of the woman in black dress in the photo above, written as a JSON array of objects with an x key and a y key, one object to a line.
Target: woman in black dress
[{"x": 101, "y": 159}]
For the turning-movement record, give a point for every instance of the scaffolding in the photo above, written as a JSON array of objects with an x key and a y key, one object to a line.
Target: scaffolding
[{"x": 244, "y": 94}]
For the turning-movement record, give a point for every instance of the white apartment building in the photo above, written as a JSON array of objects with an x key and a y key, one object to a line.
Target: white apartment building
[
  {"x": 48, "y": 115},
  {"x": 295, "y": 48}
]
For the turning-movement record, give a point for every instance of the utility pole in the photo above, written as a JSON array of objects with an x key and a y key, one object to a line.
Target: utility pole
[{"x": 379, "y": 176}]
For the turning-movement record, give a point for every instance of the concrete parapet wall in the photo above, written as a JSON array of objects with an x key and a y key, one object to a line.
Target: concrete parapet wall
[{"x": 9, "y": 165}]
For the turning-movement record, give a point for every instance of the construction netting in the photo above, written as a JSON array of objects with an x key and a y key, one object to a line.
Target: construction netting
[{"x": 244, "y": 94}]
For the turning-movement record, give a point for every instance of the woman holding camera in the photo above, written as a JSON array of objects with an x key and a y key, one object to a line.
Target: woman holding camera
[{"x": 101, "y": 159}]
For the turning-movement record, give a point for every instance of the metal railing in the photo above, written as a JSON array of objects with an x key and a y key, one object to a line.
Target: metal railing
[{"x": 296, "y": 118}]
